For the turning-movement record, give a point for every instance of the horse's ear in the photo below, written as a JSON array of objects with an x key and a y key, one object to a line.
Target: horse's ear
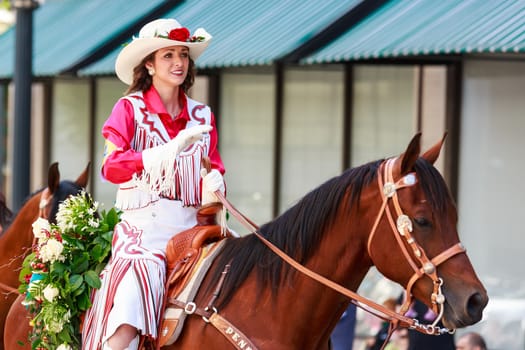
[
  {"x": 53, "y": 177},
  {"x": 409, "y": 157},
  {"x": 433, "y": 153},
  {"x": 82, "y": 180}
]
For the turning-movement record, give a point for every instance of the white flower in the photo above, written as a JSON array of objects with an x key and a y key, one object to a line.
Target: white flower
[
  {"x": 40, "y": 228},
  {"x": 64, "y": 347},
  {"x": 93, "y": 223},
  {"x": 50, "y": 293},
  {"x": 51, "y": 251},
  {"x": 54, "y": 326},
  {"x": 63, "y": 217},
  {"x": 201, "y": 32}
]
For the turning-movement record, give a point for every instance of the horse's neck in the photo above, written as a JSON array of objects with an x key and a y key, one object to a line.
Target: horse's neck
[
  {"x": 15, "y": 243},
  {"x": 306, "y": 310}
]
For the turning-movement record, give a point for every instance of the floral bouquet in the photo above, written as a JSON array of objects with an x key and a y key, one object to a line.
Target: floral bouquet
[{"x": 58, "y": 276}]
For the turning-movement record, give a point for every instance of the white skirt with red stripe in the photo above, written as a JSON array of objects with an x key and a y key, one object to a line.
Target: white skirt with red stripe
[{"x": 133, "y": 281}]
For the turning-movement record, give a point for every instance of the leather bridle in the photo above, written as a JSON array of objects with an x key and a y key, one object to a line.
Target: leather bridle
[{"x": 401, "y": 228}]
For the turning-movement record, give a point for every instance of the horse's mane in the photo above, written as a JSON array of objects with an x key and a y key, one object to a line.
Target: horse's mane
[
  {"x": 434, "y": 186},
  {"x": 298, "y": 230}
]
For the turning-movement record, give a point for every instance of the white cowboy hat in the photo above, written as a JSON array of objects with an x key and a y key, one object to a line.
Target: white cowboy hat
[{"x": 156, "y": 35}]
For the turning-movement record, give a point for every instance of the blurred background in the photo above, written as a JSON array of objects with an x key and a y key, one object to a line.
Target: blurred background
[{"x": 301, "y": 90}]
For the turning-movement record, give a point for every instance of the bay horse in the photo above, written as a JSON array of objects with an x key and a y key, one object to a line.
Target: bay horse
[
  {"x": 339, "y": 231},
  {"x": 286, "y": 285},
  {"x": 16, "y": 242}
]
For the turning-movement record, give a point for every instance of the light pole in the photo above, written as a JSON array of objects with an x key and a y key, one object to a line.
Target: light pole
[{"x": 22, "y": 106}]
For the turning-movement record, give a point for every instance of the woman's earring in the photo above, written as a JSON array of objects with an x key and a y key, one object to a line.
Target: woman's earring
[{"x": 151, "y": 71}]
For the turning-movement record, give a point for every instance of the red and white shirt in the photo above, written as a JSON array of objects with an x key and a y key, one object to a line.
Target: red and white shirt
[{"x": 139, "y": 121}]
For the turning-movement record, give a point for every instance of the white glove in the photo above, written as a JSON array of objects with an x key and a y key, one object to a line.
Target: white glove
[
  {"x": 153, "y": 157},
  {"x": 211, "y": 182},
  {"x": 187, "y": 137}
]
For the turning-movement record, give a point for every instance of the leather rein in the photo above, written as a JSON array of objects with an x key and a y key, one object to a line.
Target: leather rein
[
  {"x": 401, "y": 228},
  {"x": 43, "y": 212}
]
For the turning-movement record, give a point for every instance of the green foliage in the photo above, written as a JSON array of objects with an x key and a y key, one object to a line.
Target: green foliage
[
  {"x": 5, "y": 4},
  {"x": 59, "y": 275}
]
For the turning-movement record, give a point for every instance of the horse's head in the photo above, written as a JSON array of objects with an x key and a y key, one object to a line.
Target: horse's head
[
  {"x": 57, "y": 191},
  {"x": 6, "y": 215},
  {"x": 420, "y": 218},
  {"x": 17, "y": 238}
]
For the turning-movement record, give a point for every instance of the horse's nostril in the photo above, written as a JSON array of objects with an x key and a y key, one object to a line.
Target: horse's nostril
[{"x": 475, "y": 305}]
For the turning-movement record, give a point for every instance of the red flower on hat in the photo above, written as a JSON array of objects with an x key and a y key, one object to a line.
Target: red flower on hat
[{"x": 179, "y": 34}]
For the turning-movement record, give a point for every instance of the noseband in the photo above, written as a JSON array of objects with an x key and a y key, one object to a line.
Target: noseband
[{"x": 414, "y": 254}]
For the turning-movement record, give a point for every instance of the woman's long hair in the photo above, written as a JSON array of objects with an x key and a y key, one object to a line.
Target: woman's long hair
[{"x": 142, "y": 80}]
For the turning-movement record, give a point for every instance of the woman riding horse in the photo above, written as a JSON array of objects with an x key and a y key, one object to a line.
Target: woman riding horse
[{"x": 156, "y": 137}]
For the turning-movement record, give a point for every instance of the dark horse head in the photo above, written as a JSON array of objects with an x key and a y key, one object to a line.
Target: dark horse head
[
  {"x": 61, "y": 190},
  {"x": 6, "y": 215}
]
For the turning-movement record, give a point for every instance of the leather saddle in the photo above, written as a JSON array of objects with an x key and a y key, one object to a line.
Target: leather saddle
[{"x": 189, "y": 255}]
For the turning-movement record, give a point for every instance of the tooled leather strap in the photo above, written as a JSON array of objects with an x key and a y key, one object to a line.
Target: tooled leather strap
[
  {"x": 405, "y": 321},
  {"x": 225, "y": 327},
  {"x": 370, "y": 306},
  {"x": 447, "y": 254},
  {"x": 402, "y": 229},
  {"x": 437, "y": 260},
  {"x": 387, "y": 192},
  {"x": 211, "y": 315},
  {"x": 428, "y": 267},
  {"x": 234, "y": 336}
]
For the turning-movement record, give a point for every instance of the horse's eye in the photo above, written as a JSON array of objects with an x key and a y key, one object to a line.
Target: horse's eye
[{"x": 422, "y": 222}]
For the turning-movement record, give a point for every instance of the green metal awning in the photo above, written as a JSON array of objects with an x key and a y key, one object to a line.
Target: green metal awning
[
  {"x": 248, "y": 32},
  {"x": 404, "y": 28},
  {"x": 85, "y": 36},
  {"x": 65, "y": 32}
]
